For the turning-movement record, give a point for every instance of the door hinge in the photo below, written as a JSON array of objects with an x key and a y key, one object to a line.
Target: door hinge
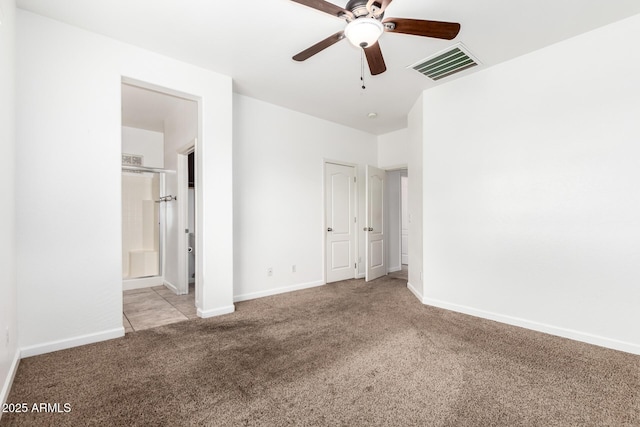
[
  {"x": 354, "y": 179},
  {"x": 355, "y": 219},
  {"x": 355, "y": 265}
]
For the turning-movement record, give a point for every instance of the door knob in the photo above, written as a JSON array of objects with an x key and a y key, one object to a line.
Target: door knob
[
  {"x": 370, "y": 228},
  {"x": 329, "y": 229}
]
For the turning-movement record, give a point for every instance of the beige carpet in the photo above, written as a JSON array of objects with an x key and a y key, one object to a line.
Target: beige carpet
[{"x": 349, "y": 354}]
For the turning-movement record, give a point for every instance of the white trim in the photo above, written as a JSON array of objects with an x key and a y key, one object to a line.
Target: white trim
[
  {"x": 394, "y": 168},
  {"x": 276, "y": 291},
  {"x": 394, "y": 269},
  {"x": 540, "y": 327},
  {"x": 216, "y": 311},
  {"x": 35, "y": 350},
  {"x": 6, "y": 387},
  {"x": 415, "y": 292},
  {"x": 145, "y": 282},
  {"x": 171, "y": 287},
  {"x": 360, "y": 276}
]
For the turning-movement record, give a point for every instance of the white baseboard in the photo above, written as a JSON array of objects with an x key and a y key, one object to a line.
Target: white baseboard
[
  {"x": 216, "y": 311},
  {"x": 276, "y": 291},
  {"x": 360, "y": 276},
  {"x": 394, "y": 269},
  {"x": 34, "y": 350},
  {"x": 145, "y": 282},
  {"x": 171, "y": 287},
  {"x": 6, "y": 387},
  {"x": 415, "y": 292},
  {"x": 540, "y": 327}
]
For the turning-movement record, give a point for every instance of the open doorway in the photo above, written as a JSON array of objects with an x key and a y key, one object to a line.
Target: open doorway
[
  {"x": 398, "y": 223},
  {"x": 157, "y": 125}
]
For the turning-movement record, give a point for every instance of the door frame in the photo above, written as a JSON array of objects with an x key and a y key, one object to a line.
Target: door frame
[
  {"x": 356, "y": 234},
  {"x": 402, "y": 170},
  {"x": 183, "y": 214}
]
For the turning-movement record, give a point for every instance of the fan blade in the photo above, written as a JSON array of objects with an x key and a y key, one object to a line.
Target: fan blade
[
  {"x": 383, "y": 5},
  {"x": 419, "y": 27},
  {"x": 326, "y": 7},
  {"x": 375, "y": 59},
  {"x": 318, "y": 47}
]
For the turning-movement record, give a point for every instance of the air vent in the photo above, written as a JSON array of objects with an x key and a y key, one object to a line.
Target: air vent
[
  {"x": 443, "y": 64},
  {"x": 131, "y": 160}
]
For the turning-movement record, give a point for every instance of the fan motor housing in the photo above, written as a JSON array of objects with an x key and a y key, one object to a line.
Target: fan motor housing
[{"x": 359, "y": 8}]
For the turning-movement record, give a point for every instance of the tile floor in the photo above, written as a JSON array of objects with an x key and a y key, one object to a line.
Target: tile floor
[{"x": 150, "y": 307}]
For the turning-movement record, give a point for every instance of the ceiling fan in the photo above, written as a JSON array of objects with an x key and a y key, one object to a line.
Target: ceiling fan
[{"x": 365, "y": 26}]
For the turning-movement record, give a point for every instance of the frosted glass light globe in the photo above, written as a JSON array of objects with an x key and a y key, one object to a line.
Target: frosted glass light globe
[{"x": 363, "y": 32}]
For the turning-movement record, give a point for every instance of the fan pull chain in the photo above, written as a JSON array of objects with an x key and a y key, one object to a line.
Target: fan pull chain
[{"x": 362, "y": 68}]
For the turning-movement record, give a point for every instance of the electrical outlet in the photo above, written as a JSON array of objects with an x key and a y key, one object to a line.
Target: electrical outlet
[
  {"x": 270, "y": 271},
  {"x": 293, "y": 268}
]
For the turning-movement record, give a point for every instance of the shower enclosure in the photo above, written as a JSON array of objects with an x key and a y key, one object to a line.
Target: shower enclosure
[{"x": 141, "y": 219}]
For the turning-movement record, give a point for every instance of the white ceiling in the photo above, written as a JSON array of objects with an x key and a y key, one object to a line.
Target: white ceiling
[{"x": 253, "y": 42}]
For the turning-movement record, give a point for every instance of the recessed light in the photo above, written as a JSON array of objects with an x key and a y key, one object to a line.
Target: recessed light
[{"x": 372, "y": 115}]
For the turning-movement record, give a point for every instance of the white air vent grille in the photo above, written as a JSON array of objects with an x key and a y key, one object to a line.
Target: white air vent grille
[
  {"x": 446, "y": 63},
  {"x": 131, "y": 160}
]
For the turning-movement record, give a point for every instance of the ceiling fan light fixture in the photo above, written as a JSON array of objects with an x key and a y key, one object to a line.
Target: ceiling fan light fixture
[{"x": 364, "y": 32}]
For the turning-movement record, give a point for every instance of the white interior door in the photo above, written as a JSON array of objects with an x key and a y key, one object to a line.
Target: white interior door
[
  {"x": 186, "y": 226},
  {"x": 404, "y": 221},
  {"x": 374, "y": 228},
  {"x": 340, "y": 221}
]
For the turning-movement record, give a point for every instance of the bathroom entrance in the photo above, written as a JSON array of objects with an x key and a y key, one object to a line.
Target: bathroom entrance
[{"x": 159, "y": 130}]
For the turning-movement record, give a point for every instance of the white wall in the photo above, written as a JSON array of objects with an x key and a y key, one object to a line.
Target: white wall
[
  {"x": 393, "y": 149},
  {"x": 415, "y": 138},
  {"x": 8, "y": 315},
  {"x": 278, "y": 190},
  {"x": 180, "y": 128},
  {"x": 393, "y": 153},
  {"x": 68, "y": 174},
  {"x": 146, "y": 143},
  {"x": 532, "y": 208}
]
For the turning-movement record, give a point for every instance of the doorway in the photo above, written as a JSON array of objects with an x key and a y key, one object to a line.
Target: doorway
[
  {"x": 156, "y": 125},
  {"x": 398, "y": 223}
]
